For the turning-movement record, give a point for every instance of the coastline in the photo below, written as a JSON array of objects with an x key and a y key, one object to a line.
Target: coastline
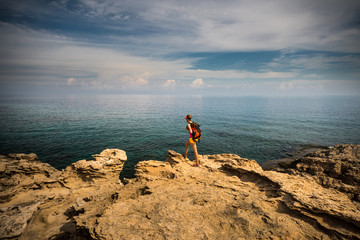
[
  {"x": 228, "y": 197},
  {"x": 75, "y": 127},
  {"x": 298, "y": 153}
]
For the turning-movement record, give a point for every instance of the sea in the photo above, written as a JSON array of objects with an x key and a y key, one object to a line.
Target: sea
[{"x": 63, "y": 130}]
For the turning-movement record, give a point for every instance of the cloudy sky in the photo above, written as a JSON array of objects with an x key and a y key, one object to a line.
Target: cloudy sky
[{"x": 228, "y": 47}]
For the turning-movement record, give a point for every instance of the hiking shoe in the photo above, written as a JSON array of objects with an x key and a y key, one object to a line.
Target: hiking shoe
[{"x": 195, "y": 165}]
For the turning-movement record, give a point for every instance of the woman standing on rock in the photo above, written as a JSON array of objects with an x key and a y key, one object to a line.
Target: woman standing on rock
[{"x": 191, "y": 142}]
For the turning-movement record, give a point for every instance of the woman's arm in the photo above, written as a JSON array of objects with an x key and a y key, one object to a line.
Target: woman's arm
[{"x": 188, "y": 128}]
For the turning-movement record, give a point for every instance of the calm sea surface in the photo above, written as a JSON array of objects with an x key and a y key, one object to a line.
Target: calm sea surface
[{"x": 64, "y": 130}]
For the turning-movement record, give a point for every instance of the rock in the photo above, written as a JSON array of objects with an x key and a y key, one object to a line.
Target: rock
[
  {"x": 152, "y": 170},
  {"x": 299, "y": 152},
  {"x": 13, "y": 219},
  {"x": 175, "y": 158},
  {"x": 111, "y": 156},
  {"x": 337, "y": 168},
  {"x": 22, "y": 156},
  {"x": 227, "y": 197},
  {"x": 38, "y": 201},
  {"x": 105, "y": 167},
  {"x": 21, "y": 172}
]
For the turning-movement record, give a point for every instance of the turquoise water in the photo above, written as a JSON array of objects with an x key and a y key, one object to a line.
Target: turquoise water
[{"x": 64, "y": 130}]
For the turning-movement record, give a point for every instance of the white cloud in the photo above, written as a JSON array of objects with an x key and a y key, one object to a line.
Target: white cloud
[
  {"x": 44, "y": 56},
  {"x": 93, "y": 66},
  {"x": 170, "y": 84},
  {"x": 135, "y": 81},
  {"x": 54, "y": 58},
  {"x": 142, "y": 79},
  {"x": 197, "y": 83},
  {"x": 241, "y": 25},
  {"x": 85, "y": 83},
  {"x": 214, "y": 25},
  {"x": 70, "y": 81}
]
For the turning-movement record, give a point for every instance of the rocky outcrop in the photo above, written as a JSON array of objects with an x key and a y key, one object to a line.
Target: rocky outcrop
[
  {"x": 337, "y": 167},
  {"x": 22, "y": 182},
  {"x": 38, "y": 201},
  {"x": 227, "y": 197},
  {"x": 21, "y": 172},
  {"x": 105, "y": 168}
]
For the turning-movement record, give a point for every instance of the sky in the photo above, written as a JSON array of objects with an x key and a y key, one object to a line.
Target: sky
[{"x": 228, "y": 47}]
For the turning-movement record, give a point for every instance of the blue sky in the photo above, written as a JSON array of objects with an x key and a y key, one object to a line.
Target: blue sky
[{"x": 281, "y": 47}]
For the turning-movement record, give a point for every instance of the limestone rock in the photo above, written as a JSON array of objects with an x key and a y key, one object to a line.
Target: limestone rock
[
  {"x": 38, "y": 201},
  {"x": 23, "y": 156},
  {"x": 227, "y": 197},
  {"x": 105, "y": 167},
  {"x": 13, "y": 219},
  {"x": 21, "y": 172},
  {"x": 175, "y": 158},
  {"x": 152, "y": 170},
  {"x": 337, "y": 168},
  {"x": 25, "y": 183}
]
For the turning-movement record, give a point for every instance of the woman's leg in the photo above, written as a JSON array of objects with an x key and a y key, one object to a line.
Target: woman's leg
[
  {"x": 194, "y": 148},
  {"x": 186, "y": 149}
]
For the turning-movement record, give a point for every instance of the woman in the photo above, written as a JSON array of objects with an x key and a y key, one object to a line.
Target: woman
[{"x": 191, "y": 142}]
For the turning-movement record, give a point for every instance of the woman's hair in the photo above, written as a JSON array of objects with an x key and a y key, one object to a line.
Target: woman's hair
[{"x": 188, "y": 116}]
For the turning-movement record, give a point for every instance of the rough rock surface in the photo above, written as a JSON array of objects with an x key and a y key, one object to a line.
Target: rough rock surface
[
  {"x": 105, "y": 168},
  {"x": 227, "y": 197},
  {"x": 37, "y": 201},
  {"x": 337, "y": 167}
]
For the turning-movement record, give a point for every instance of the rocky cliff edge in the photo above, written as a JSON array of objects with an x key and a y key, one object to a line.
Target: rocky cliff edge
[{"x": 227, "y": 197}]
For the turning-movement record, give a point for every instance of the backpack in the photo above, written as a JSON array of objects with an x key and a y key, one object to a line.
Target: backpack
[{"x": 196, "y": 135}]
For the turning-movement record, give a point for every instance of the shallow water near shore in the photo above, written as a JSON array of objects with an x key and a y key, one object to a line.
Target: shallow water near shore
[{"x": 62, "y": 130}]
